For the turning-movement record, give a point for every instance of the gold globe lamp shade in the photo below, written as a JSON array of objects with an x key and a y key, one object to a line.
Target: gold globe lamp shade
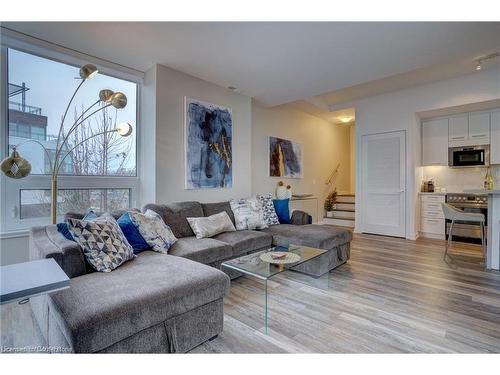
[
  {"x": 124, "y": 129},
  {"x": 106, "y": 95},
  {"x": 119, "y": 100},
  {"x": 15, "y": 166},
  {"x": 88, "y": 71}
]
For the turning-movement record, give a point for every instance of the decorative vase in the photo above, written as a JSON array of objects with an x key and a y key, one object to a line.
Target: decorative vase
[
  {"x": 281, "y": 191},
  {"x": 329, "y": 213},
  {"x": 289, "y": 192}
]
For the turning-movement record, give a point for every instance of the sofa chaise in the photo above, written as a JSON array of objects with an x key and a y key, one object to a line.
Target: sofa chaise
[{"x": 158, "y": 302}]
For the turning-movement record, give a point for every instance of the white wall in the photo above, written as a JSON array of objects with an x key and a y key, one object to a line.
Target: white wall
[
  {"x": 397, "y": 111},
  {"x": 171, "y": 88},
  {"x": 14, "y": 249},
  {"x": 147, "y": 139},
  {"x": 324, "y": 145}
]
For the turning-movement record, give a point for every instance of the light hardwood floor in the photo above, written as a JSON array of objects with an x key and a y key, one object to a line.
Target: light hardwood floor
[{"x": 392, "y": 296}]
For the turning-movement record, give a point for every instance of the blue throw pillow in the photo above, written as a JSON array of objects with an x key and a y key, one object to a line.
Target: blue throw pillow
[
  {"x": 90, "y": 215},
  {"x": 282, "y": 209},
  {"x": 64, "y": 230},
  {"x": 132, "y": 234}
]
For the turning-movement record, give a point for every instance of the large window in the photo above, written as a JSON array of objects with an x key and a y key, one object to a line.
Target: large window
[
  {"x": 98, "y": 174},
  {"x": 39, "y": 90}
]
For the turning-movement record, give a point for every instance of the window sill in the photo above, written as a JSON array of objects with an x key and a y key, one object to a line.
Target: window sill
[{"x": 14, "y": 234}]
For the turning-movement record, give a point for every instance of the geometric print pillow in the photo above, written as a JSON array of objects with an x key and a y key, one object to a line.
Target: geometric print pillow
[
  {"x": 153, "y": 229},
  {"x": 103, "y": 242},
  {"x": 270, "y": 216}
]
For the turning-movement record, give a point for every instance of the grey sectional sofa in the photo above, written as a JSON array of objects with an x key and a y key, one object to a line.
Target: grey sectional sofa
[{"x": 157, "y": 302}]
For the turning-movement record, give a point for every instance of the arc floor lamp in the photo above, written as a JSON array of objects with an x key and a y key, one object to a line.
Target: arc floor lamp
[{"x": 17, "y": 167}]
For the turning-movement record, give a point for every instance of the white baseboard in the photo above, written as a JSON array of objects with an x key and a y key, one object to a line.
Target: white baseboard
[
  {"x": 433, "y": 236},
  {"x": 413, "y": 236}
]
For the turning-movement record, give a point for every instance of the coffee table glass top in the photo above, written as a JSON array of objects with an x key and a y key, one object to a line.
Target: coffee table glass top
[{"x": 252, "y": 264}]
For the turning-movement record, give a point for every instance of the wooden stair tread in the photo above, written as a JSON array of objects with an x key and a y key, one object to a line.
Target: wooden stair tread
[{"x": 339, "y": 218}]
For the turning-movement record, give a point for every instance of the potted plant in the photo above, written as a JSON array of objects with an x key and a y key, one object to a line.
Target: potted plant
[{"x": 331, "y": 203}]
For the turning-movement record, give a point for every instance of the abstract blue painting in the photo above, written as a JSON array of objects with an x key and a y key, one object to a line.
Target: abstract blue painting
[
  {"x": 209, "y": 137},
  {"x": 285, "y": 158}
]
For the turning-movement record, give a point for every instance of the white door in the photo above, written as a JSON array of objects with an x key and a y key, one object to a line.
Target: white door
[{"x": 383, "y": 184}]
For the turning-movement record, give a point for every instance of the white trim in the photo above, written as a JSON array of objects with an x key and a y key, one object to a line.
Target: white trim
[
  {"x": 433, "y": 236},
  {"x": 43, "y": 48},
  {"x": 14, "y": 234}
]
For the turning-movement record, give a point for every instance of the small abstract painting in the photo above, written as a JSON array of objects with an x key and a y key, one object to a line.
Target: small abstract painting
[
  {"x": 285, "y": 158},
  {"x": 209, "y": 134}
]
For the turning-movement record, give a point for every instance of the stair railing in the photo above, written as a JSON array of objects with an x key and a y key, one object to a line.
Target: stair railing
[{"x": 332, "y": 175}]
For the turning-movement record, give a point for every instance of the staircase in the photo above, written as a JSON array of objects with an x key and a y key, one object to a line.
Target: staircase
[{"x": 343, "y": 214}]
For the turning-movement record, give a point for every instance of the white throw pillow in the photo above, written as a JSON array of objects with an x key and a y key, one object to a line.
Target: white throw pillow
[
  {"x": 270, "y": 216},
  {"x": 153, "y": 229},
  {"x": 248, "y": 213},
  {"x": 103, "y": 242},
  {"x": 209, "y": 226}
]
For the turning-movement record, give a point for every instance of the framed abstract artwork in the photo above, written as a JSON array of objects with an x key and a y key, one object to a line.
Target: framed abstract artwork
[
  {"x": 285, "y": 158},
  {"x": 209, "y": 137}
]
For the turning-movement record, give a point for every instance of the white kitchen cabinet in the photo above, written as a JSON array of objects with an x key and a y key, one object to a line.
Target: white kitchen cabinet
[
  {"x": 495, "y": 138},
  {"x": 479, "y": 128},
  {"x": 431, "y": 215},
  {"x": 435, "y": 142},
  {"x": 458, "y": 130}
]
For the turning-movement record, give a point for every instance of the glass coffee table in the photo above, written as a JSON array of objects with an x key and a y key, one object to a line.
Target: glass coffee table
[{"x": 261, "y": 265}]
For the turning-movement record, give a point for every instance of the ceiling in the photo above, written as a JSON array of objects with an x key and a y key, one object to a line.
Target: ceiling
[{"x": 311, "y": 64}]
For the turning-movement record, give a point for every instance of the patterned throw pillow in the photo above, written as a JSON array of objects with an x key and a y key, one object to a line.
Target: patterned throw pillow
[
  {"x": 104, "y": 245},
  {"x": 132, "y": 234},
  {"x": 209, "y": 226},
  {"x": 248, "y": 213},
  {"x": 153, "y": 229},
  {"x": 270, "y": 216}
]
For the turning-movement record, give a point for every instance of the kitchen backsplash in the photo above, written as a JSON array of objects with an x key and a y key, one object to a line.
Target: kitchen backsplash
[{"x": 458, "y": 179}]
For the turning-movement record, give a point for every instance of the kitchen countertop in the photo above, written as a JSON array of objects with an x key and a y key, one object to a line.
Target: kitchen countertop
[
  {"x": 483, "y": 191},
  {"x": 435, "y": 193}
]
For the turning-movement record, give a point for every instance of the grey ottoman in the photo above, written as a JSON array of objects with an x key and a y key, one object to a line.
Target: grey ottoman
[{"x": 336, "y": 240}]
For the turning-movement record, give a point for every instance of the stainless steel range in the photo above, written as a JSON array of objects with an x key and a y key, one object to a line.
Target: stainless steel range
[{"x": 465, "y": 231}]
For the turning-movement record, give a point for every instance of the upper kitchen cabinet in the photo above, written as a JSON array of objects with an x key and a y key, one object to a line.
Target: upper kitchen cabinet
[
  {"x": 470, "y": 129},
  {"x": 479, "y": 128},
  {"x": 435, "y": 142},
  {"x": 458, "y": 130},
  {"x": 495, "y": 138}
]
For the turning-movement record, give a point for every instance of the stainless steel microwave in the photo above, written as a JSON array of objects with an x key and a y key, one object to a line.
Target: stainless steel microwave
[{"x": 471, "y": 156}]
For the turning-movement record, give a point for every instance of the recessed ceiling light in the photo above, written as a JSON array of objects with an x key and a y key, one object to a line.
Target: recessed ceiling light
[
  {"x": 478, "y": 66},
  {"x": 345, "y": 120}
]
